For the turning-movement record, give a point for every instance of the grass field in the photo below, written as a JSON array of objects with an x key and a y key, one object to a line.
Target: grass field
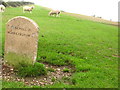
[{"x": 89, "y": 46}]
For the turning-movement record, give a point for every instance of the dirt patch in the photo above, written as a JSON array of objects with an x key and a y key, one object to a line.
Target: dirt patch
[
  {"x": 116, "y": 56},
  {"x": 55, "y": 73}
]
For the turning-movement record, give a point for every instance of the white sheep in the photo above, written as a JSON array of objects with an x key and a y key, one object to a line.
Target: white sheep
[
  {"x": 2, "y": 8},
  {"x": 28, "y": 8},
  {"x": 56, "y": 13}
]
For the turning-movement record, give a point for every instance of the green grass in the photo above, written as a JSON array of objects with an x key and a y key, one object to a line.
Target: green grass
[
  {"x": 67, "y": 40},
  {"x": 31, "y": 70},
  {"x": 11, "y": 84},
  {"x": 66, "y": 70},
  {"x": 15, "y": 59}
]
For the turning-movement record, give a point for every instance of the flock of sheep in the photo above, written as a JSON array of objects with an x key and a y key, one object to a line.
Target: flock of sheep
[{"x": 30, "y": 8}]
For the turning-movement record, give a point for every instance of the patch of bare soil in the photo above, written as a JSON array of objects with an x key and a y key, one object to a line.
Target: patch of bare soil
[
  {"x": 116, "y": 56},
  {"x": 58, "y": 74}
]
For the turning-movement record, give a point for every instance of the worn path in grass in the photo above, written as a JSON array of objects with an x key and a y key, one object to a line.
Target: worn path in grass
[{"x": 91, "y": 47}]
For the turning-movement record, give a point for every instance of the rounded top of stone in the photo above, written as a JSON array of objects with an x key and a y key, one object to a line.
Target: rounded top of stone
[{"x": 22, "y": 17}]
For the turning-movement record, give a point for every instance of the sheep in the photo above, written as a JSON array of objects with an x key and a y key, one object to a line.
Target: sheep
[
  {"x": 28, "y": 8},
  {"x": 56, "y": 13},
  {"x": 99, "y": 17},
  {"x": 2, "y": 8}
]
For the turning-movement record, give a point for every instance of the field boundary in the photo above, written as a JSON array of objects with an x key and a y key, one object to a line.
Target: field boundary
[{"x": 96, "y": 19}]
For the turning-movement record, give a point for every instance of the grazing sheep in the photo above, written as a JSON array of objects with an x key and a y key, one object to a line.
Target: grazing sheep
[
  {"x": 56, "y": 13},
  {"x": 2, "y": 8},
  {"x": 99, "y": 17},
  {"x": 28, "y": 8}
]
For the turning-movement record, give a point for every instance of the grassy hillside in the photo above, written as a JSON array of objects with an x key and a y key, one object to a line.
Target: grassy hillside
[{"x": 89, "y": 46}]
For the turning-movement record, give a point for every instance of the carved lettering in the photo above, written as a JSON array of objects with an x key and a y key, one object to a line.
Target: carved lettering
[
  {"x": 19, "y": 28},
  {"x": 20, "y": 34}
]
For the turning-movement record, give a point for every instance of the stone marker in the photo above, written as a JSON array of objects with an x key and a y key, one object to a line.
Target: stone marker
[{"x": 21, "y": 41}]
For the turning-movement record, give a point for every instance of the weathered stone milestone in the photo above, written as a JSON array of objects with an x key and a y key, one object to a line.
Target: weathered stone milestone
[{"x": 21, "y": 41}]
